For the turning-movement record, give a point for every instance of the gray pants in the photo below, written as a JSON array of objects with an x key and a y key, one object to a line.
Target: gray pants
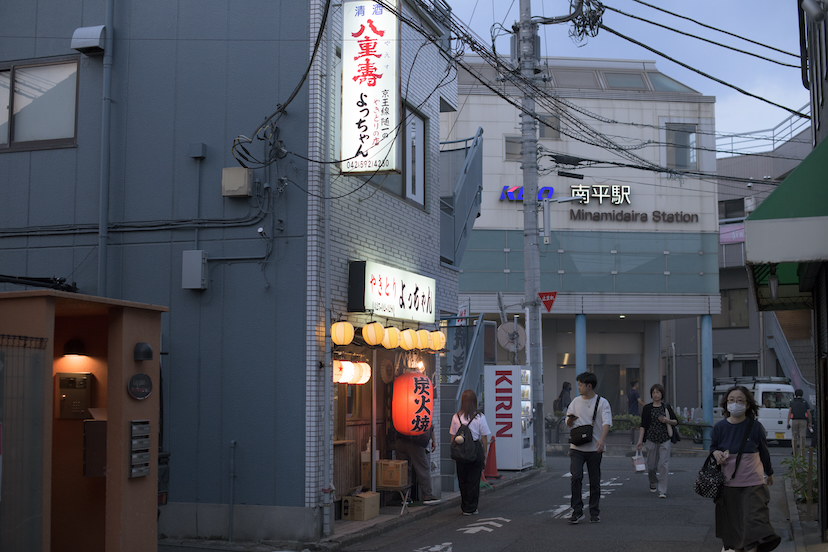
[
  {"x": 658, "y": 463},
  {"x": 798, "y": 433},
  {"x": 418, "y": 462}
]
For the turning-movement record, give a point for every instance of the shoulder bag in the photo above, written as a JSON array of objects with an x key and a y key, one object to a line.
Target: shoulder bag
[
  {"x": 710, "y": 480},
  {"x": 582, "y": 435}
]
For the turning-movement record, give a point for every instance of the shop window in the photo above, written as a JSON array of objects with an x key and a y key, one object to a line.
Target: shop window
[
  {"x": 512, "y": 148},
  {"x": 734, "y": 310},
  {"x": 732, "y": 208},
  {"x": 681, "y": 146},
  {"x": 550, "y": 128},
  {"x": 41, "y": 104},
  {"x": 352, "y": 403}
]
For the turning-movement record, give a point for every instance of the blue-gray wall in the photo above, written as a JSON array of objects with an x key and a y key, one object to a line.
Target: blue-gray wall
[{"x": 184, "y": 71}]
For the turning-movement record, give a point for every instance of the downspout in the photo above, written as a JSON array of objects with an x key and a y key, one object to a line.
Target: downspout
[
  {"x": 103, "y": 207},
  {"x": 327, "y": 524}
]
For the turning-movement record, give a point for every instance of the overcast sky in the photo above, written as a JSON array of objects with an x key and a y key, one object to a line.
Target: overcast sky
[{"x": 771, "y": 22}]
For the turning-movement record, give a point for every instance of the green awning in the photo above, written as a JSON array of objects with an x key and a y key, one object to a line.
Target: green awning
[{"x": 788, "y": 233}]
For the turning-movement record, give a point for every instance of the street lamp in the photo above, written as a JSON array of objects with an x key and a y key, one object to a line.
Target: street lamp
[{"x": 547, "y": 214}]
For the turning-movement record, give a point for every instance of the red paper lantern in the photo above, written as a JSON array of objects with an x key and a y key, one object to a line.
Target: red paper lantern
[{"x": 413, "y": 404}]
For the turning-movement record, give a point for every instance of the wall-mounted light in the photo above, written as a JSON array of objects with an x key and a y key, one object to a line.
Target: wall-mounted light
[
  {"x": 142, "y": 351},
  {"x": 74, "y": 347},
  {"x": 773, "y": 284}
]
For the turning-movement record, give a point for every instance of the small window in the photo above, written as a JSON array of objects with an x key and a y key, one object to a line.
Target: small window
[
  {"x": 41, "y": 105},
  {"x": 575, "y": 79},
  {"x": 734, "y": 310},
  {"x": 415, "y": 158},
  {"x": 627, "y": 81},
  {"x": 732, "y": 208},
  {"x": 681, "y": 146},
  {"x": 663, "y": 83},
  {"x": 512, "y": 148},
  {"x": 550, "y": 128}
]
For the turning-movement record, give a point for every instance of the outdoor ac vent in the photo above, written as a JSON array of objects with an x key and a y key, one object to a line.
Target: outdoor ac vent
[{"x": 89, "y": 40}]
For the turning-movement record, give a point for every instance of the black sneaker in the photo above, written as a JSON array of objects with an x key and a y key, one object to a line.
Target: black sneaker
[
  {"x": 576, "y": 517},
  {"x": 595, "y": 519}
]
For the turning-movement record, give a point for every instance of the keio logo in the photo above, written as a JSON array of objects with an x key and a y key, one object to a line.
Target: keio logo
[{"x": 515, "y": 193}]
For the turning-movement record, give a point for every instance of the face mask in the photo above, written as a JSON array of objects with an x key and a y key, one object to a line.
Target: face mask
[{"x": 736, "y": 409}]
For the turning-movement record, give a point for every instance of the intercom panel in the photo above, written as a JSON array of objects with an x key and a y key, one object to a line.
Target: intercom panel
[{"x": 73, "y": 395}]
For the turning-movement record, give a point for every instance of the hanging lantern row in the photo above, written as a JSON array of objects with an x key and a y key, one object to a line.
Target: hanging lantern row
[
  {"x": 342, "y": 333},
  {"x": 355, "y": 373}
]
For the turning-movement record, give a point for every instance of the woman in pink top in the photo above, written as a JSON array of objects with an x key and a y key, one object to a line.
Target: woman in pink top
[{"x": 742, "y": 516}]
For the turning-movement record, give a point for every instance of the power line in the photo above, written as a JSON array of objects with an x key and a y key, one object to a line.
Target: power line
[
  {"x": 701, "y": 38},
  {"x": 665, "y": 56},
  {"x": 715, "y": 29}
]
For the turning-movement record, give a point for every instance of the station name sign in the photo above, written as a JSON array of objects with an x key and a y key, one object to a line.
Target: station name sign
[{"x": 390, "y": 292}]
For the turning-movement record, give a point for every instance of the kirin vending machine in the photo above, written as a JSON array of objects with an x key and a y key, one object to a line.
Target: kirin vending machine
[{"x": 508, "y": 409}]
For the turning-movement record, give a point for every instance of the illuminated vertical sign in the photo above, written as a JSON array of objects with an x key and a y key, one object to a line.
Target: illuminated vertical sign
[{"x": 370, "y": 88}]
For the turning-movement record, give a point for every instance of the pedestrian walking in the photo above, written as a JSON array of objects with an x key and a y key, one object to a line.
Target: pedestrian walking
[
  {"x": 799, "y": 417},
  {"x": 739, "y": 446},
  {"x": 587, "y": 409},
  {"x": 564, "y": 398},
  {"x": 468, "y": 473},
  {"x": 658, "y": 425},
  {"x": 634, "y": 398}
]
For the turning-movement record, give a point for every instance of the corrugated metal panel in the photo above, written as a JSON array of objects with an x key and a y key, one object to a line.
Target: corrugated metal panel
[{"x": 607, "y": 303}]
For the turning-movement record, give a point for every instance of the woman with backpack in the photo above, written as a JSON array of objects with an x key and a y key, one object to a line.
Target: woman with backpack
[{"x": 469, "y": 423}]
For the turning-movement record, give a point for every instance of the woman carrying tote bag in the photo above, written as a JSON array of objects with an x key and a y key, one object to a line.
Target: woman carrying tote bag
[{"x": 658, "y": 423}]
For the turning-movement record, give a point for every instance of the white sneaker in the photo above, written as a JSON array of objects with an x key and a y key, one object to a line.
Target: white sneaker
[
  {"x": 432, "y": 501},
  {"x": 662, "y": 495}
]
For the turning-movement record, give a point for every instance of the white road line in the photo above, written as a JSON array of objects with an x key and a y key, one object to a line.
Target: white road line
[
  {"x": 445, "y": 547},
  {"x": 472, "y": 530}
]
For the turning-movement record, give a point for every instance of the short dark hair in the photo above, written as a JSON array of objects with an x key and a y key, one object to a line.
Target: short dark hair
[
  {"x": 633, "y": 382},
  {"x": 798, "y": 392},
  {"x": 588, "y": 378},
  {"x": 659, "y": 387}
]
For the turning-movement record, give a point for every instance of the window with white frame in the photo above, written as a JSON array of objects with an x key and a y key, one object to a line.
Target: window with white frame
[
  {"x": 550, "y": 128},
  {"x": 681, "y": 146},
  {"x": 511, "y": 148},
  {"x": 41, "y": 104},
  {"x": 415, "y": 158}
]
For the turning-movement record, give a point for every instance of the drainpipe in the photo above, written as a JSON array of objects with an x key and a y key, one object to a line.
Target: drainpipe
[
  {"x": 103, "y": 208},
  {"x": 327, "y": 376}
]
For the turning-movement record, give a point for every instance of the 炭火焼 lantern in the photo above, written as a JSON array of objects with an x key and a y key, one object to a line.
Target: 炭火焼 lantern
[
  {"x": 373, "y": 333},
  {"x": 438, "y": 340},
  {"x": 408, "y": 339},
  {"x": 392, "y": 338},
  {"x": 412, "y": 403},
  {"x": 342, "y": 333},
  {"x": 422, "y": 339}
]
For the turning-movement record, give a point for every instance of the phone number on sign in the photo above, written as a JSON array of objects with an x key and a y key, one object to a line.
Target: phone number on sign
[{"x": 368, "y": 164}]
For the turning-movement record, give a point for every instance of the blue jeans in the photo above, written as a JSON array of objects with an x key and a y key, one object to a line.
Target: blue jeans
[{"x": 576, "y": 468}]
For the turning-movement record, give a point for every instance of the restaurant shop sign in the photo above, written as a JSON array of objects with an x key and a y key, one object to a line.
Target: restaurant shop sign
[
  {"x": 390, "y": 292},
  {"x": 370, "y": 88}
]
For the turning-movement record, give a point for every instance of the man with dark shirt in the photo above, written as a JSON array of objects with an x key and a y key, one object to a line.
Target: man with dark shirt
[{"x": 634, "y": 399}]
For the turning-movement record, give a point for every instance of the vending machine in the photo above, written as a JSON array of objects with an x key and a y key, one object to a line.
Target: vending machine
[{"x": 508, "y": 409}]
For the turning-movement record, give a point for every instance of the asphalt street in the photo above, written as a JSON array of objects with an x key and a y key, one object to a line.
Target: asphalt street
[{"x": 533, "y": 516}]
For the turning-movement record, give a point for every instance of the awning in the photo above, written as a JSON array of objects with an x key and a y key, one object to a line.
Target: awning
[{"x": 788, "y": 234}]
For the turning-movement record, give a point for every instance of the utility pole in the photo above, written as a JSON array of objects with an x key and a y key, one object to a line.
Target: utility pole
[
  {"x": 528, "y": 31},
  {"x": 531, "y": 254}
]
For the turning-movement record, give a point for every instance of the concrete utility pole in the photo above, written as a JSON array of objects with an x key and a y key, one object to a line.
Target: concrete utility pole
[
  {"x": 531, "y": 254},
  {"x": 528, "y": 30}
]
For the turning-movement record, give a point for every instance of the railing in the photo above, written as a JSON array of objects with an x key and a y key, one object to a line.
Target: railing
[
  {"x": 777, "y": 341},
  {"x": 760, "y": 141},
  {"x": 473, "y": 367},
  {"x": 459, "y": 210}
]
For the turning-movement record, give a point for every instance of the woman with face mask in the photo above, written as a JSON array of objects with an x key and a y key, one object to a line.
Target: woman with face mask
[{"x": 742, "y": 517}]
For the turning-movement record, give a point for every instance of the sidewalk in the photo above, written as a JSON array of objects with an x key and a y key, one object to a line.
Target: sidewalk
[{"x": 797, "y": 536}]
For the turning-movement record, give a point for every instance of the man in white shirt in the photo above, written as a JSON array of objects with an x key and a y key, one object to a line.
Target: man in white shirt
[{"x": 585, "y": 409}]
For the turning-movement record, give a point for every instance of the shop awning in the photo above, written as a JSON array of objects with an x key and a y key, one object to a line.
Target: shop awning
[{"x": 788, "y": 233}]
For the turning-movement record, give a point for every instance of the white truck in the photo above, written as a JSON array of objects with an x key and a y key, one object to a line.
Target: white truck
[{"x": 772, "y": 394}]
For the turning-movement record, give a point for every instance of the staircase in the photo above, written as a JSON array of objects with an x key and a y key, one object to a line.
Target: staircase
[
  {"x": 461, "y": 178},
  {"x": 776, "y": 340}
]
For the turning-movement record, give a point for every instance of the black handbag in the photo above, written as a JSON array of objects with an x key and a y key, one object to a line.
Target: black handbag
[
  {"x": 582, "y": 435},
  {"x": 710, "y": 480}
]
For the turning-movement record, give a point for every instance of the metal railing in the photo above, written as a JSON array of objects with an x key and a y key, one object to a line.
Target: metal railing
[
  {"x": 473, "y": 366},
  {"x": 760, "y": 141},
  {"x": 459, "y": 210}
]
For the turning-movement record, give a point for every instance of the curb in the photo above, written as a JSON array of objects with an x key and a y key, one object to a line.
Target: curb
[
  {"x": 793, "y": 515},
  {"x": 335, "y": 543}
]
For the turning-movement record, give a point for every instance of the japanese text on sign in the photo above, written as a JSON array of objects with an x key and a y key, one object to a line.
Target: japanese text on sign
[
  {"x": 615, "y": 194},
  {"x": 370, "y": 114},
  {"x": 421, "y": 418},
  {"x": 399, "y": 294}
]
